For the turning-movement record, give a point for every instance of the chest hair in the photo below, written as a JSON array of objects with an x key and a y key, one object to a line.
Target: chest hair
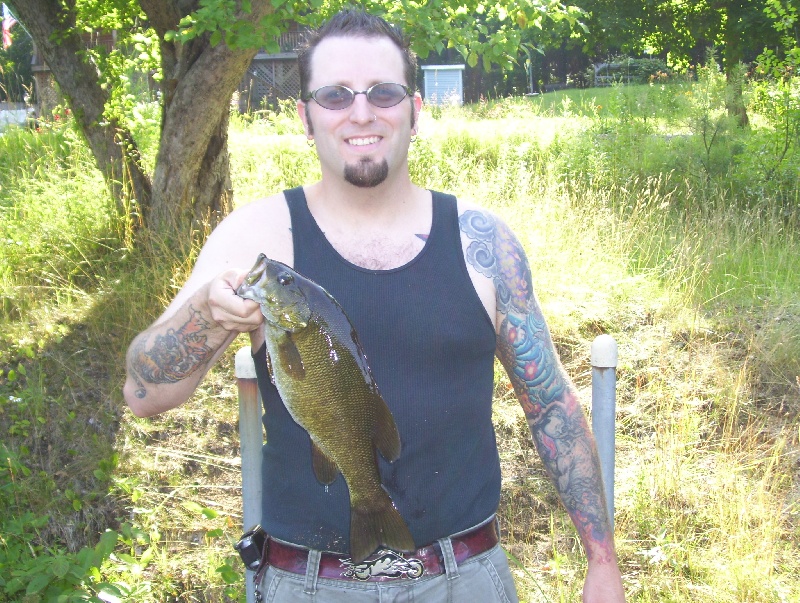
[{"x": 380, "y": 253}]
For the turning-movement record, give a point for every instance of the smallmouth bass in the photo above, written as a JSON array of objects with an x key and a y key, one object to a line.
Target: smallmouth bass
[{"x": 319, "y": 367}]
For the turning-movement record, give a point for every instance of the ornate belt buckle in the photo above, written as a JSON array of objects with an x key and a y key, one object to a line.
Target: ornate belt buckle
[{"x": 386, "y": 563}]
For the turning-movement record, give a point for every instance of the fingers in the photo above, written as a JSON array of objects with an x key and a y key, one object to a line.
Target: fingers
[{"x": 228, "y": 309}]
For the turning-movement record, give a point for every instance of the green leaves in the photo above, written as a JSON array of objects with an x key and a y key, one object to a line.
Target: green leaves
[
  {"x": 192, "y": 506},
  {"x": 490, "y": 34},
  {"x": 29, "y": 570},
  {"x": 225, "y": 22}
]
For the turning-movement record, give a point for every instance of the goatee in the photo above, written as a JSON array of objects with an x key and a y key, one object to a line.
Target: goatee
[{"x": 366, "y": 173}]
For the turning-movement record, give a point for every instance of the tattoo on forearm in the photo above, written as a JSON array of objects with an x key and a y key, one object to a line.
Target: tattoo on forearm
[
  {"x": 173, "y": 356},
  {"x": 557, "y": 424},
  {"x": 565, "y": 447}
]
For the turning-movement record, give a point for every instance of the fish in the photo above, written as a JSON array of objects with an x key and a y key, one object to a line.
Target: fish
[{"x": 321, "y": 371}]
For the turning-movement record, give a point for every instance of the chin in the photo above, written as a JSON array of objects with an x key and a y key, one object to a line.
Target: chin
[{"x": 367, "y": 173}]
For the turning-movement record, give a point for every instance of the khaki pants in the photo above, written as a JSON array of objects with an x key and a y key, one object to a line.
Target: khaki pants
[{"x": 484, "y": 578}]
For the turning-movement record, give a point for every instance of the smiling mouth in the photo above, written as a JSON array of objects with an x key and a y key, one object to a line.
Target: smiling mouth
[{"x": 360, "y": 142}]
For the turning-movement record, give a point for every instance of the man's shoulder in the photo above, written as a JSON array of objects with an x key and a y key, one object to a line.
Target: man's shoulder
[
  {"x": 260, "y": 226},
  {"x": 266, "y": 206},
  {"x": 263, "y": 216},
  {"x": 469, "y": 208}
]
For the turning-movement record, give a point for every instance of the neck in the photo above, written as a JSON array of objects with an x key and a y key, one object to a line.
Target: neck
[
  {"x": 378, "y": 228},
  {"x": 345, "y": 203}
]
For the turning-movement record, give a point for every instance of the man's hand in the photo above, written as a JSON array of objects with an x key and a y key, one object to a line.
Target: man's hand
[
  {"x": 227, "y": 309},
  {"x": 603, "y": 584}
]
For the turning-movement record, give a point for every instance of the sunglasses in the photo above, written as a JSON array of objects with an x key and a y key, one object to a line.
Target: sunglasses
[{"x": 382, "y": 95}]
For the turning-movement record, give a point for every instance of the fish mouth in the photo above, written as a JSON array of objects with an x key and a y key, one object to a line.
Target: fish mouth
[
  {"x": 274, "y": 287},
  {"x": 245, "y": 290}
]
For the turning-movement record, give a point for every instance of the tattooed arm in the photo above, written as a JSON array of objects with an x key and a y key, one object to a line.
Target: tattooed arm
[
  {"x": 167, "y": 361},
  {"x": 548, "y": 397}
]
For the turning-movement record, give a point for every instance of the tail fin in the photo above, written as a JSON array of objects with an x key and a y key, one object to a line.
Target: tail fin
[{"x": 375, "y": 527}]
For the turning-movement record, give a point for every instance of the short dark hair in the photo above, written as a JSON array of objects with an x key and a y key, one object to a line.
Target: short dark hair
[{"x": 355, "y": 23}]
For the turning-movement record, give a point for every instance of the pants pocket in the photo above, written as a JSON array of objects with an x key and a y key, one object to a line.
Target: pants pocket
[{"x": 487, "y": 578}]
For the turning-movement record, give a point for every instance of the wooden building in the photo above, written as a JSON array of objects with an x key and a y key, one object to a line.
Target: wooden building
[{"x": 272, "y": 77}]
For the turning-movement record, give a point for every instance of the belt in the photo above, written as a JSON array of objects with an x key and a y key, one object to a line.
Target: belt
[{"x": 385, "y": 565}]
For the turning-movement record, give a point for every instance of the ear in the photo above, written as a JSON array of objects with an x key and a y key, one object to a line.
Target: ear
[
  {"x": 417, "y": 108},
  {"x": 302, "y": 108}
]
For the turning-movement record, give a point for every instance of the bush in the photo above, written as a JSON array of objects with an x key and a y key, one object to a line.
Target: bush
[{"x": 32, "y": 570}]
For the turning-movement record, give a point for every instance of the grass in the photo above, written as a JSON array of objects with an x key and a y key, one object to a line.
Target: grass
[{"x": 631, "y": 229}]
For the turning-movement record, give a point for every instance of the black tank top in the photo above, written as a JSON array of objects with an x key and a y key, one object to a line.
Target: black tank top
[{"x": 430, "y": 344}]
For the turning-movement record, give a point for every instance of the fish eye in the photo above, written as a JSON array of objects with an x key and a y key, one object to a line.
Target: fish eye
[{"x": 284, "y": 278}]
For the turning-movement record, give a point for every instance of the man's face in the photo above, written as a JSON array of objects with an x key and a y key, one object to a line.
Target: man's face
[{"x": 362, "y": 144}]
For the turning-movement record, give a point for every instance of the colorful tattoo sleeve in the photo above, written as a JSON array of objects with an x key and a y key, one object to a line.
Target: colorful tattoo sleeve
[
  {"x": 173, "y": 355},
  {"x": 524, "y": 347}
]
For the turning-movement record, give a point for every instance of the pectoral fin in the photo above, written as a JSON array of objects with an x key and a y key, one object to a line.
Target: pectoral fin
[
  {"x": 387, "y": 438},
  {"x": 290, "y": 358},
  {"x": 325, "y": 469}
]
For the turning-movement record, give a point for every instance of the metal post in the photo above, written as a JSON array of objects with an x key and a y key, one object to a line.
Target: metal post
[
  {"x": 251, "y": 439},
  {"x": 604, "y": 384}
]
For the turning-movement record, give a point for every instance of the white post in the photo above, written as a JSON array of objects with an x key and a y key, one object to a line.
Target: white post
[
  {"x": 604, "y": 385},
  {"x": 251, "y": 439}
]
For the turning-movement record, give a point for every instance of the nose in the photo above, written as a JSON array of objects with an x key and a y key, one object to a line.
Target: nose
[{"x": 361, "y": 111}]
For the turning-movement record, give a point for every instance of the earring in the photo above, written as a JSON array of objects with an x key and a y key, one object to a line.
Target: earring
[{"x": 310, "y": 142}]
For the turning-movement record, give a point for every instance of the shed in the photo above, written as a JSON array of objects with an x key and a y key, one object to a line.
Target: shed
[
  {"x": 272, "y": 77},
  {"x": 444, "y": 84}
]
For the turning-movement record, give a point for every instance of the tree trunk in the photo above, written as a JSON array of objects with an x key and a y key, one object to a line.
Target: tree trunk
[
  {"x": 192, "y": 182},
  {"x": 51, "y": 24},
  {"x": 733, "y": 55}
]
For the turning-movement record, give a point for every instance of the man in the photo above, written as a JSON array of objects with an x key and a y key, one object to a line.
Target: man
[{"x": 435, "y": 288}]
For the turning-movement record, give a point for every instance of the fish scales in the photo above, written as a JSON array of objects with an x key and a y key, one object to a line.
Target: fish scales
[{"x": 322, "y": 374}]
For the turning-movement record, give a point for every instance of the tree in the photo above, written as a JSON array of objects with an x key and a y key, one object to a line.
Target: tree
[
  {"x": 781, "y": 60},
  {"x": 203, "y": 48},
  {"x": 683, "y": 30}
]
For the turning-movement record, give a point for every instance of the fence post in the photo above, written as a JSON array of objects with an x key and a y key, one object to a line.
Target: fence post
[
  {"x": 604, "y": 385},
  {"x": 251, "y": 439}
]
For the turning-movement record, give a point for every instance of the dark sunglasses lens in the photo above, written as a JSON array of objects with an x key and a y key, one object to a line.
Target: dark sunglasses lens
[
  {"x": 386, "y": 95},
  {"x": 334, "y": 97}
]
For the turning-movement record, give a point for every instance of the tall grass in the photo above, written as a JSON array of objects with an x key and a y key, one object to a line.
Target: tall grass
[
  {"x": 49, "y": 247},
  {"x": 634, "y": 225}
]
